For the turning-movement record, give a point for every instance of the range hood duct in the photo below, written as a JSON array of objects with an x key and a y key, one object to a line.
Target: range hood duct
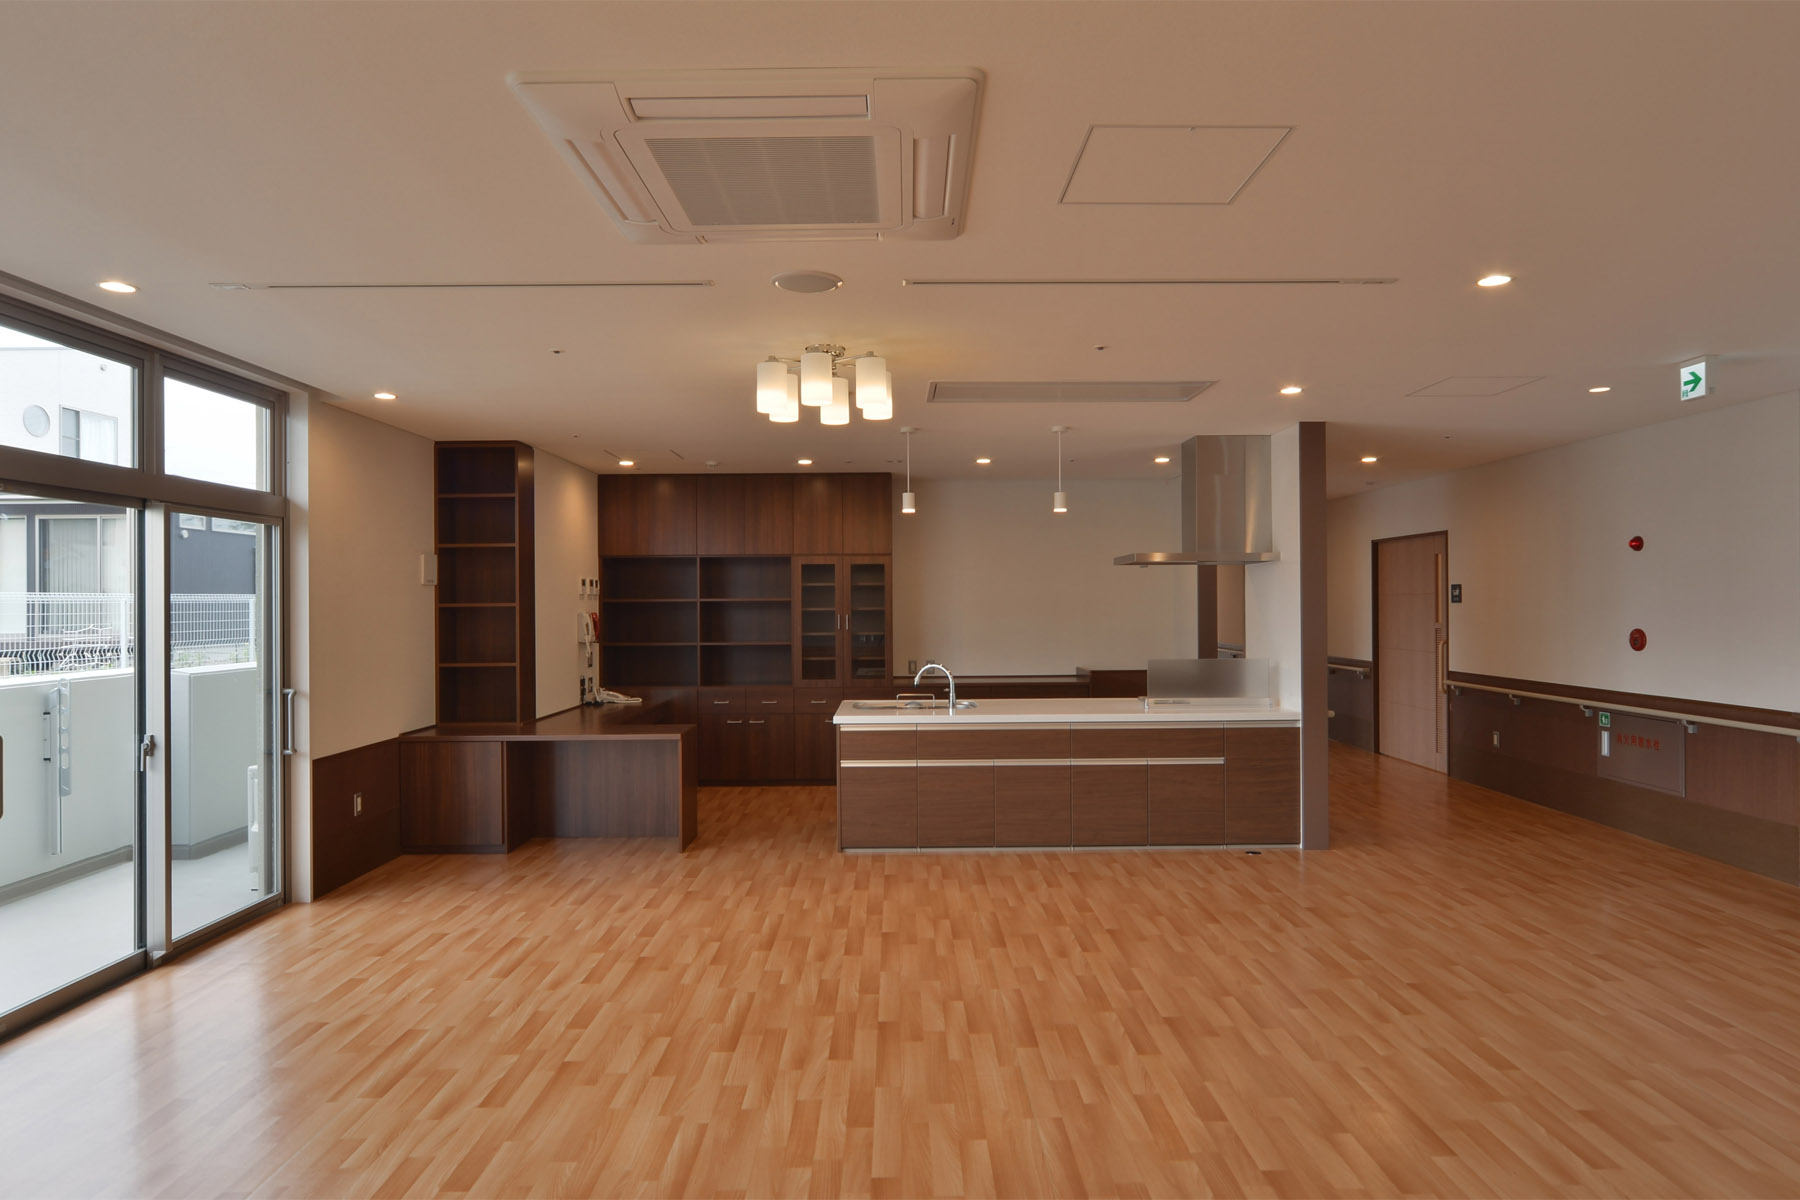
[{"x": 1224, "y": 505}]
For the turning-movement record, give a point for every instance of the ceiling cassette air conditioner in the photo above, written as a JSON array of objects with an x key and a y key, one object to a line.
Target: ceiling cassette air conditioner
[{"x": 766, "y": 155}]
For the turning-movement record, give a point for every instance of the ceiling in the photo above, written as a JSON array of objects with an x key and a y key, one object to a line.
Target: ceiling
[{"x": 1629, "y": 165}]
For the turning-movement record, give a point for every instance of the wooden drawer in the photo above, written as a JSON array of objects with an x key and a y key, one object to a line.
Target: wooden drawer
[
  {"x": 1138, "y": 741},
  {"x": 876, "y": 745},
  {"x": 761, "y": 701},
  {"x": 818, "y": 702},
  {"x": 878, "y": 807},
  {"x": 956, "y": 804},
  {"x": 993, "y": 742},
  {"x": 1031, "y": 806},
  {"x": 716, "y": 700},
  {"x": 1187, "y": 804},
  {"x": 1109, "y": 804}
]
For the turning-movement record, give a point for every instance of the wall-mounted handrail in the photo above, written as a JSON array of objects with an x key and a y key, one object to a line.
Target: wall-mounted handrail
[
  {"x": 1359, "y": 671},
  {"x": 1590, "y": 705}
]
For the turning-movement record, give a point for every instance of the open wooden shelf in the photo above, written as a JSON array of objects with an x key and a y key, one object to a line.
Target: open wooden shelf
[{"x": 486, "y": 615}]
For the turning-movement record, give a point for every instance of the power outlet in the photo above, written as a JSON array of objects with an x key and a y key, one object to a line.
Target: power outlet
[
  {"x": 356, "y": 805},
  {"x": 912, "y": 666}
]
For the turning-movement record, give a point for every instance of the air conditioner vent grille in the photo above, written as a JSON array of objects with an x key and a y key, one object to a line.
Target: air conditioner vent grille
[{"x": 724, "y": 182}]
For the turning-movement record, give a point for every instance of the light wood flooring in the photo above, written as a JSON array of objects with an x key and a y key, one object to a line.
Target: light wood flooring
[{"x": 1469, "y": 995}]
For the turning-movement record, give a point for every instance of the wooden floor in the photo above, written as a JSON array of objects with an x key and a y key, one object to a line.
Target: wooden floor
[{"x": 1468, "y": 996}]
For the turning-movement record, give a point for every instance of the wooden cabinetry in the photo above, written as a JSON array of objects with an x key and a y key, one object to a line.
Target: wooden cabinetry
[
  {"x": 877, "y": 807},
  {"x": 1262, "y": 787},
  {"x": 486, "y": 612},
  {"x": 843, "y": 620},
  {"x": 463, "y": 796},
  {"x": 1080, "y": 785},
  {"x": 701, "y": 588}
]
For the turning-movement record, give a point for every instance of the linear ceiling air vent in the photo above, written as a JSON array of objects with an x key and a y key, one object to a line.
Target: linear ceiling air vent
[
  {"x": 957, "y": 391},
  {"x": 766, "y": 155}
]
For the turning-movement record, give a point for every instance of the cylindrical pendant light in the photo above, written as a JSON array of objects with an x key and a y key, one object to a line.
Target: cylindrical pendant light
[
  {"x": 1059, "y": 499},
  {"x": 871, "y": 383},
  {"x": 815, "y": 379},
  {"x": 908, "y": 504},
  {"x": 878, "y": 410},
  {"x": 787, "y": 409},
  {"x": 838, "y": 411},
  {"x": 771, "y": 385}
]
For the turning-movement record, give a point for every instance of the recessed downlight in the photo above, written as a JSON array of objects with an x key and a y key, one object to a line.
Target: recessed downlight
[
  {"x": 982, "y": 462},
  {"x": 385, "y": 396},
  {"x": 626, "y": 462},
  {"x": 116, "y": 285},
  {"x": 1597, "y": 390},
  {"x": 1162, "y": 458},
  {"x": 805, "y": 462},
  {"x": 1291, "y": 390},
  {"x": 1369, "y": 458},
  {"x": 1493, "y": 281}
]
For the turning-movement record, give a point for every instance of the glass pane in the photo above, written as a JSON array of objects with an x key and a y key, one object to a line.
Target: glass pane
[
  {"x": 68, "y": 717},
  {"x": 222, "y": 754},
  {"x": 57, "y": 400},
  {"x": 819, "y": 621},
  {"x": 214, "y": 436}
]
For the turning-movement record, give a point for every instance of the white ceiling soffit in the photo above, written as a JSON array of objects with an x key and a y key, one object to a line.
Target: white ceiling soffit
[
  {"x": 1475, "y": 385},
  {"x": 1169, "y": 164},
  {"x": 764, "y": 155},
  {"x": 1111, "y": 391}
]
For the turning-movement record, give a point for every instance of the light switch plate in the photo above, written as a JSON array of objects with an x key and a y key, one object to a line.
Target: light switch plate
[{"x": 428, "y": 570}]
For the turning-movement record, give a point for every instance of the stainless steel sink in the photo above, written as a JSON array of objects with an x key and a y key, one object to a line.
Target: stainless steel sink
[{"x": 910, "y": 704}]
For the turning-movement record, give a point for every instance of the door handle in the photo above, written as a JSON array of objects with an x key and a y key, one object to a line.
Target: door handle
[{"x": 287, "y": 708}]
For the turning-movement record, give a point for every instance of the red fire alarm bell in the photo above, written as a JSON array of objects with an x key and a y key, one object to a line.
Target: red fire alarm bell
[
  {"x": 1638, "y": 640},
  {"x": 1636, "y": 543}
]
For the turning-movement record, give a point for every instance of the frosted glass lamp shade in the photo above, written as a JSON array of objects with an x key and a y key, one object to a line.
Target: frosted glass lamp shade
[
  {"x": 1059, "y": 502},
  {"x": 838, "y": 411},
  {"x": 907, "y": 503},
  {"x": 771, "y": 386},
  {"x": 787, "y": 411},
  {"x": 871, "y": 382},
  {"x": 815, "y": 379}
]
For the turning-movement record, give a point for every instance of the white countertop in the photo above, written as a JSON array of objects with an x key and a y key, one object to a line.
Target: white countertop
[{"x": 1126, "y": 711}]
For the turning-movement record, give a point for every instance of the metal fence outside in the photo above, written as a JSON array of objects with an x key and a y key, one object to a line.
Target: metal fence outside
[{"x": 65, "y": 632}]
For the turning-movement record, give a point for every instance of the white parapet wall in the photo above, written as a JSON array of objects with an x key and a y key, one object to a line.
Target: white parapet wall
[{"x": 216, "y": 722}]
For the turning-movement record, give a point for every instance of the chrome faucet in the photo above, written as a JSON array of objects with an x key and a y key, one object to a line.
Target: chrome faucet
[{"x": 938, "y": 666}]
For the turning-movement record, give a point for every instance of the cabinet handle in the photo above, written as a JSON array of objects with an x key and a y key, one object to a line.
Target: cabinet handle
[
  {"x": 768, "y": 702},
  {"x": 738, "y": 721},
  {"x": 758, "y": 722},
  {"x": 721, "y": 702},
  {"x": 818, "y": 702}
]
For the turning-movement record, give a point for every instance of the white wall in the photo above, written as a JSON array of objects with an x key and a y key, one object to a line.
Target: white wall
[
  {"x": 100, "y": 813},
  {"x": 1272, "y": 589},
  {"x": 371, "y": 641},
  {"x": 990, "y": 582},
  {"x": 1550, "y": 589},
  {"x": 568, "y": 549}
]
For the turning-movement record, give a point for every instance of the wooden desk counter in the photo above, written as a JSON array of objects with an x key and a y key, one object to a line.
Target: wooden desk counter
[{"x": 582, "y": 772}]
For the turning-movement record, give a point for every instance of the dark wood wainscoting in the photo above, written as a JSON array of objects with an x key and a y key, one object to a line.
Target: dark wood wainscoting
[
  {"x": 1351, "y": 699},
  {"x": 345, "y": 844},
  {"x": 1742, "y": 788}
]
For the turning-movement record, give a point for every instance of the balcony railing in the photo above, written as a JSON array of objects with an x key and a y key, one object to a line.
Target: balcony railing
[{"x": 62, "y": 633}]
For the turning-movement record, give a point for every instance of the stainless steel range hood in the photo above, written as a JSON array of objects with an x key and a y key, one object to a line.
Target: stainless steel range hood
[{"x": 1224, "y": 505}]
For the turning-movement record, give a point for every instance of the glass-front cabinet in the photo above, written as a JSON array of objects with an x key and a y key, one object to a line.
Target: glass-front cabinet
[{"x": 842, "y": 636}]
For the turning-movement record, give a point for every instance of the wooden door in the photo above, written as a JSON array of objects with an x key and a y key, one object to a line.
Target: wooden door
[
  {"x": 1412, "y": 648},
  {"x": 648, "y": 514}
]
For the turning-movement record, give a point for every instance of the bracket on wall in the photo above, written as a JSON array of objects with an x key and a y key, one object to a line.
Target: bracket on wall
[
  {"x": 1586, "y": 711},
  {"x": 1690, "y": 727},
  {"x": 1513, "y": 698}
]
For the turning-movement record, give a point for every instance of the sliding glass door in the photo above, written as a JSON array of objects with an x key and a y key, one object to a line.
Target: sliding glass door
[
  {"x": 71, "y": 854},
  {"x": 224, "y": 762}
]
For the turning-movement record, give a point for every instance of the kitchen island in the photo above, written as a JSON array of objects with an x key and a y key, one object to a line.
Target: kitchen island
[{"x": 1068, "y": 772}]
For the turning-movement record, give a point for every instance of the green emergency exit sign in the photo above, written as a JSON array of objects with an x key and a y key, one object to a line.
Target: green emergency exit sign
[
  {"x": 1696, "y": 379},
  {"x": 1606, "y": 720}
]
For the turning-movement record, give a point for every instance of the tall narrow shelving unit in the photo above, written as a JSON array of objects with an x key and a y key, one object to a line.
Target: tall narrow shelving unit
[{"x": 486, "y": 610}]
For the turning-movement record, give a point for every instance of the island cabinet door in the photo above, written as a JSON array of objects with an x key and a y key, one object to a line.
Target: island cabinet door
[
  {"x": 1262, "y": 787},
  {"x": 956, "y": 803},
  {"x": 1031, "y": 804},
  {"x": 1187, "y": 804},
  {"x": 769, "y": 750},
  {"x": 1110, "y": 803},
  {"x": 878, "y": 806}
]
